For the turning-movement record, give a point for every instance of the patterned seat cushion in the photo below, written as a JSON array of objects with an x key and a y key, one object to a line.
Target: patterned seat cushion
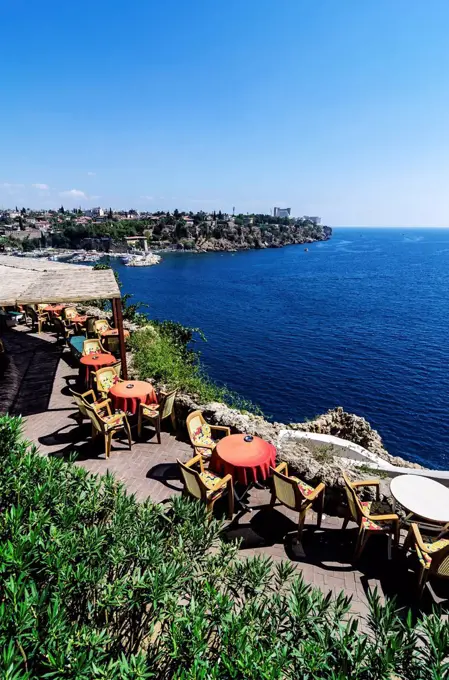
[
  {"x": 203, "y": 436},
  {"x": 106, "y": 381},
  {"x": 210, "y": 479},
  {"x": 432, "y": 545},
  {"x": 304, "y": 488},
  {"x": 369, "y": 525},
  {"x": 151, "y": 411},
  {"x": 114, "y": 421}
]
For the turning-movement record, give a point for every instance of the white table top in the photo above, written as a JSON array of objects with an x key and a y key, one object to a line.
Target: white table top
[{"x": 422, "y": 496}]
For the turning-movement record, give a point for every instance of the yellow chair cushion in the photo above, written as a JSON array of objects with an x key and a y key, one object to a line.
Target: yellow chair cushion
[
  {"x": 202, "y": 436},
  {"x": 377, "y": 507},
  {"x": 432, "y": 545},
  {"x": 114, "y": 421},
  {"x": 304, "y": 488},
  {"x": 151, "y": 411},
  {"x": 369, "y": 525},
  {"x": 210, "y": 479}
]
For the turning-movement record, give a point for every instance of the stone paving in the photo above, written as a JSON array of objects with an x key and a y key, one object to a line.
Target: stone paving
[{"x": 36, "y": 384}]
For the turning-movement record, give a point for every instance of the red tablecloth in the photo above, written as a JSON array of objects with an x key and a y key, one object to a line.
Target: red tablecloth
[
  {"x": 128, "y": 398},
  {"x": 54, "y": 309},
  {"x": 80, "y": 318},
  {"x": 112, "y": 332},
  {"x": 93, "y": 362},
  {"x": 246, "y": 461}
]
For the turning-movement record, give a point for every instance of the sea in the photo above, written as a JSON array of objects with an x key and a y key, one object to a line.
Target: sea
[{"x": 359, "y": 321}]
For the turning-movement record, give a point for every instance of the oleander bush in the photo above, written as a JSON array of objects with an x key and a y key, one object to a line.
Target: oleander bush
[{"x": 94, "y": 585}]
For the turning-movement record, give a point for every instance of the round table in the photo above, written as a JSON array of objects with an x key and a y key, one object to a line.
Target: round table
[
  {"x": 79, "y": 319},
  {"x": 112, "y": 332},
  {"x": 247, "y": 462},
  {"x": 93, "y": 362},
  {"x": 422, "y": 496},
  {"x": 127, "y": 399},
  {"x": 55, "y": 310}
]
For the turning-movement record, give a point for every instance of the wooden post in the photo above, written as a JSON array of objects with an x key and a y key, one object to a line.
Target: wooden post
[
  {"x": 119, "y": 320},
  {"x": 114, "y": 315}
]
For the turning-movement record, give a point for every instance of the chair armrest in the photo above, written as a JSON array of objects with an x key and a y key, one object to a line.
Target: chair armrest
[
  {"x": 281, "y": 467},
  {"x": 383, "y": 518},
  {"x": 319, "y": 489},
  {"x": 104, "y": 404},
  {"x": 196, "y": 459},
  {"x": 222, "y": 428},
  {"x": 205, "y": 446},
  {"x": 414, "y": 528},
  {"x": 89, "y": 393},
  {"x": 366, "y": 482}
]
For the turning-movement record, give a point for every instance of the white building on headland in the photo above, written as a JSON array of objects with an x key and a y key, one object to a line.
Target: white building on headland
[
  {"x": 282, "y": 212},
  {"x": 315, "y": 220},
  {"x": 94, "y": 212}
]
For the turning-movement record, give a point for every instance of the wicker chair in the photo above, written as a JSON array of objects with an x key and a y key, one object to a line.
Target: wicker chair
[
  {"x": 105, "y": 378},
  {"x": 201, "y": 433},
  {"x": 83, "y": 401},
  {"x": 372, "y": 517},
  {"x": 93, "y": 346},
  {"x": 205, "y": 485},
  {"x": 432, "y": 554},
  {"x": 38, "y": 318},
  {"x": 156, "y": 413},
  {"x": 296, "y": 495},
  {"x": 108, "y": 424}
]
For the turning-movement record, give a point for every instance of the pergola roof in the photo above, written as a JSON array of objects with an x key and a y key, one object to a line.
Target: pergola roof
[{"x": 26, "y": 280}]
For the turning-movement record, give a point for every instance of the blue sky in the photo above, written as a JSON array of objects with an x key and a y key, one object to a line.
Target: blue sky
[{"x": 338, "y": 108}]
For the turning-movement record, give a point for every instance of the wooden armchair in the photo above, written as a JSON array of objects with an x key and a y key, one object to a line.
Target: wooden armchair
[
  {"x": 63, "y": 329},
  {"x": 105, "y": 378},
  {"x": 205, "y": 485},
  {"x": 100, "y": 326},
  {"x": 202, "y": 434},
  {"x": 93, "y": 346},
  {"x": 107, "y": 423},
  {"x": 296, "y": 495},
  {"x": 155, "y": 413},
  {"x": 38, "y": 318},
  {"x": 372, "y": 517},
  {"x": 432, "y": 553},
  {"x": 83, "y": 401}
]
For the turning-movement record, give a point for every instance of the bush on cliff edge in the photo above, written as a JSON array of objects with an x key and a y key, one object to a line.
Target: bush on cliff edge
[{"x": 97, "y": 586}]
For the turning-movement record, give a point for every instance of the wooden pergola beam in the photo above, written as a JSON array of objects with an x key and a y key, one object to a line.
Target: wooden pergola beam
[{"x": 118, "y": 320}]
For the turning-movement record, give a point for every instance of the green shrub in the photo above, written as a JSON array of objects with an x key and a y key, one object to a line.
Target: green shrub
[
  {"x": 161, "y": 351},
  {"x": 94, "y": 585}
]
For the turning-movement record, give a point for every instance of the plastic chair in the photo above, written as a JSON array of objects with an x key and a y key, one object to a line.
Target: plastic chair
[
  {"x": 93, "y": 346},
  {"x": 38, "y": 318},
  {"x": 83, "y": 401},
  {"x": 108, "y": 424},
  {"x": 432, "y": 554},
  {"x": 105, "y": 378},
  {"x": 63, "y": 329},
  {"x": 156, "y": 413},
  {"x": 201, "y": 433},
  {"x": 205, "y": 485},
  {"x": 372, "y": 517},
  {"x": 296, "y": 495},
  {"x": 100, "y": 326}
]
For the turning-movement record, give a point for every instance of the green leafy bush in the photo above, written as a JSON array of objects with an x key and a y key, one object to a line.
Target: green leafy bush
[
  {"x": 94, "y": 585},
  {"x": 161, "y": 351}
]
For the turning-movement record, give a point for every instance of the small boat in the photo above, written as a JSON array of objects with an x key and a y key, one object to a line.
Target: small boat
[{"x": 306, "y": 250}]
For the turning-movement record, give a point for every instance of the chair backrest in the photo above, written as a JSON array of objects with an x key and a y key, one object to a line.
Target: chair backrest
[
  {"x": 193, "y": 421},
  {"x": 112, "y": 344},
  {"x": 41, "y": 307},
  {"x": 440, "y": 562},
  {"x": 95, "y": 417},
  {"x": 106, "y": 377},
  {"x": 101, "y": 325},
  {"x": 353, "y": 501},
  {"x": 31, "y": 313},
  {"x": 91, "y": 346},
  {"x": 79, "y": 401},
  {"x": 168, "y": 404},
  {"x": 70, "y": 312},
  {"x": 118, "y": 368},
  {"x": 59, "y": 325},
  {"x": 90, "y": 321},
  {"x": 286, "y": 490},
  {"x": 193, "y": 482}
]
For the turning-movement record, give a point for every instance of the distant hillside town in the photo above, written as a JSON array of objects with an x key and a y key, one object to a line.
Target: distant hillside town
[{"x": 129, "y": 230}]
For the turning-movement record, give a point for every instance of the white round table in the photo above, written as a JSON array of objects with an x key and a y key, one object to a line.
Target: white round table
[{"x": 422, "y": 496}]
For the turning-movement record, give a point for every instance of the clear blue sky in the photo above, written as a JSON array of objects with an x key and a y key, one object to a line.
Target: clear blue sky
[{"x": 337, "y": 108}]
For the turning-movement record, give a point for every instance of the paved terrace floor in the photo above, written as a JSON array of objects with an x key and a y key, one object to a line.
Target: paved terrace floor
[{"x": 35, "y": 384}]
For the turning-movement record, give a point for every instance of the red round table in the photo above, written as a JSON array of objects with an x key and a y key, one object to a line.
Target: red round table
[
  {"x": 93, "y": 362},
  {"x": 55, "y": 310},
  {"x": 79, "y": 319},
  {"x": 247, "y": 462},
  {"x": 113, "y": 331},
  {"x": 127, "y": 399}
]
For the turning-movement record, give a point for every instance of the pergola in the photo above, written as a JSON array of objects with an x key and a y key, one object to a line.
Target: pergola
[{"x": 26, "y": 280}]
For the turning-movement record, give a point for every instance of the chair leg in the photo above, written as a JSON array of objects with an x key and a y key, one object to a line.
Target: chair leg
[
  {"x": 173, "y": 419},
  {"x": 320, "y": 509},
  {"x": 128, "y": 432},
  {"x": 422, "y": 582},
  {"x": 361, "y": 544},
  {"x": 139, "y": 424},
  {"x": 346, "y": 519},
  {"x": 230, "y": 500},
  {"x": 158, "y": 429},
  {"x": 301, "y": 522},
  {"x": 107, "y": 443}
]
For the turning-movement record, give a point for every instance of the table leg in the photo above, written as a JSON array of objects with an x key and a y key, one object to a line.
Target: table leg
[{"x": 239, "y": 497}]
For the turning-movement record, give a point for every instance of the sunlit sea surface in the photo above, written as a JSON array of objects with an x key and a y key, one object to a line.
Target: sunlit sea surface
[{"x": 359, "y": 321}]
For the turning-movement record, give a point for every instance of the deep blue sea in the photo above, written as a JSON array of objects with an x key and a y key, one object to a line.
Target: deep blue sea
[{"x": 360, "y": 321}]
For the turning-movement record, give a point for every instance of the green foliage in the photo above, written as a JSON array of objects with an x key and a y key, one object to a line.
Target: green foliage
[
  {"x": 95, "y": 586},
  {"x": 161, "y": 352}
]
